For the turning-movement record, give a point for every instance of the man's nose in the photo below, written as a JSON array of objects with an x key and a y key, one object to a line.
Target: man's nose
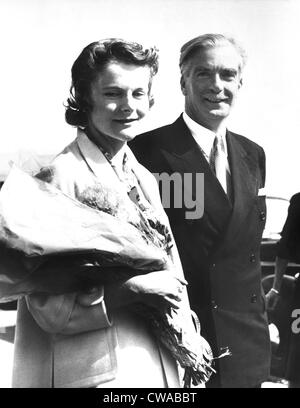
[
  {"x": 127, "y": 104},
  {"x": 216, "y": 83}
]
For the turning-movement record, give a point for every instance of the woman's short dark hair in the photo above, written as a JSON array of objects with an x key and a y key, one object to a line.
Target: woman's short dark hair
[{"x": 92, "y": 61}]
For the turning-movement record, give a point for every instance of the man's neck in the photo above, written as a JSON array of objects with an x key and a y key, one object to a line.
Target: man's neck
[{"x": 216, "y": 126}]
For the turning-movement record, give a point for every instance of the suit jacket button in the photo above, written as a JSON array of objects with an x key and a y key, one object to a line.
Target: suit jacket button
[
  {"x": 253, "y": 298},
  {"x": 214, "y": 305},
  {"x": 262, "y": 216},
  {"x": 252, "y": 258}
]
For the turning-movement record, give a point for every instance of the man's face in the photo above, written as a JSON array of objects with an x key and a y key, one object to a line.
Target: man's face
[
  {"x": 210, "y": 83},
  {"x": 120, "y": 100}
]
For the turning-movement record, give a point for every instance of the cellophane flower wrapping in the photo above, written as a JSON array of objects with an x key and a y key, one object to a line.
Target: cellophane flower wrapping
[{"x": 50, "y": 242}]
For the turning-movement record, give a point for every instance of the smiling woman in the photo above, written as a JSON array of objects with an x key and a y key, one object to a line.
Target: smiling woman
[
  {"x": 118, "y": 95},
  {"x": 120, "y": 99},
  {"x": 102, "y": 336}
]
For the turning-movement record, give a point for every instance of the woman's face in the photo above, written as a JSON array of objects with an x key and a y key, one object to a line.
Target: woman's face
[{"x": 120, "y": 99}]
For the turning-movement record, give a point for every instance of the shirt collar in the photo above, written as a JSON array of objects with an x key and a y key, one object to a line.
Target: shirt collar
[
  {"x": 118, "y": 159},
  {"x": 203, "y": 136}
]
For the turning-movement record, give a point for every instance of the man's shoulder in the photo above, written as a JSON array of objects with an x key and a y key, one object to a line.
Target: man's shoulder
[
  {"x": 295, "y": 200},
  {"x": 157, "y": 136},
  {"x": 165, "y": 129},
  {"x": 247, "y": 143}
]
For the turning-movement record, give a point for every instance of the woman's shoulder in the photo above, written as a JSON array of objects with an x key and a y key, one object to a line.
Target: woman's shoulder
[
  {"x": 67, "y": 156},
  {"x": 66, "y": 170}
]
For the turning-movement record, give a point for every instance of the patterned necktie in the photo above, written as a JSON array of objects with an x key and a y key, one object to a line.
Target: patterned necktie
[{"x": 218, "y": 161}]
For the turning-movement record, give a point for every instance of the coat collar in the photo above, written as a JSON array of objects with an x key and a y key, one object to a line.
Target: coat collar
[
  {"x": 94, "y": 158},
  {"x": 101, "y": 168}
]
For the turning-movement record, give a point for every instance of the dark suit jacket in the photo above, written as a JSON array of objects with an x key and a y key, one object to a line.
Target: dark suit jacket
[{"x": 220, "y": 251}]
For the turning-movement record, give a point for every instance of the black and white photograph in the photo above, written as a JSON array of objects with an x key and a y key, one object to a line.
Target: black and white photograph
[{"x": 150, "y": 196}]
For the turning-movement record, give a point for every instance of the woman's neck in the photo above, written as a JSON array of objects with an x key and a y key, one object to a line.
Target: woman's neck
[{"x": 104, "y": 142}]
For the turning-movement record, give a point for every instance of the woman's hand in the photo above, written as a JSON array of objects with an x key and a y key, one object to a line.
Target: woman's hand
[
  {"x": 158, "y": 289},
  {"x": 90, "y": 297}
]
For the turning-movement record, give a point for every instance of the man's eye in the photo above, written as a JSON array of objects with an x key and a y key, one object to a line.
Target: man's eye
[
  {"x": 111, "y": 94},
  {"x": 202, "y": 73},
  {"x": 139, "y": 94},
  {"x": 229, "y": 75}
]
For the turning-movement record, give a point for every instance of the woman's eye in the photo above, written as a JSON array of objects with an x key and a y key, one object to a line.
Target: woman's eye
[{"x": 111, "y": 94}]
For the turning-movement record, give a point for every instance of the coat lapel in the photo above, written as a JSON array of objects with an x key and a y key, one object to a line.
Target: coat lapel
[
  {"x": 102, "y": 170},
  {"x": 244, "y": 183},
  {"x": 95, "y": 159},
  {"x": 99, "y": 165}
]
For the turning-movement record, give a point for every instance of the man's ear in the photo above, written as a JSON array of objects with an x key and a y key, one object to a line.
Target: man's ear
[
  {"x": 151, "y": 101},
  {"x": 241, "y": 82},
  {"x": 182, "y": 85}
]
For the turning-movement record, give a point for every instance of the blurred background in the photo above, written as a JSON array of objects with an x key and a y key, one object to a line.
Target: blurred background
[{"x": 40, "y": 39}]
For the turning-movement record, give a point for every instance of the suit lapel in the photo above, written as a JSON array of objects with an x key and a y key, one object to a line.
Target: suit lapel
[
  {"x": 185, "y": 156},
  {"x": 244, "y": 183},
  {"x": 95, "y": 159}
]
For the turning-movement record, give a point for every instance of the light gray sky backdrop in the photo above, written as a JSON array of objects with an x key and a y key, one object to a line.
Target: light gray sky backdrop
[{"x": 40, "y": 40}]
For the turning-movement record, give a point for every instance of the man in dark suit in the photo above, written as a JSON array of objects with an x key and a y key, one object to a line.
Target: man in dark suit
[{"x": 219, "y": 246}]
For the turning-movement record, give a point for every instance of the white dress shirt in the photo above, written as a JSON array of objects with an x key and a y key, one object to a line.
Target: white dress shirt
[{"x": 205, "y": 139}]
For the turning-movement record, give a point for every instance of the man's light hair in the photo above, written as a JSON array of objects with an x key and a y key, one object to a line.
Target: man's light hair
[{"x": 205, "y": 41}]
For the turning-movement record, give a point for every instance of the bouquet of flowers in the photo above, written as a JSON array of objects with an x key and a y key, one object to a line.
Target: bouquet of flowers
[{"x": 50, "y": 242}]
